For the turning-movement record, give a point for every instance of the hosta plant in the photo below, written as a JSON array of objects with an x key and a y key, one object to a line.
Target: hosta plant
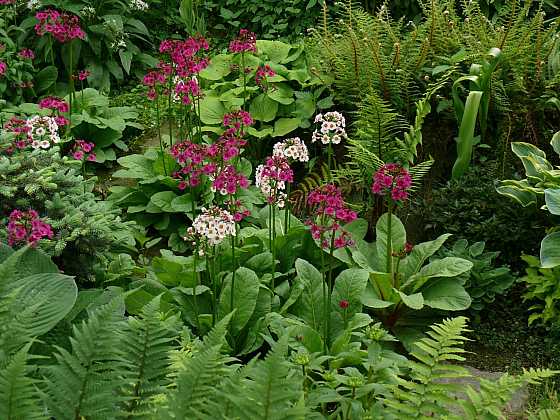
[
  {"x": 485, "y": 281},
  {"x": 542, "y": 181}
]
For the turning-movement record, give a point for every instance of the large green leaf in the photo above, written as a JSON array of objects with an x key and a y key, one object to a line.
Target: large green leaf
[
  {"x": 263, "y": 108},
  {"x": 45, "y": 78},
  {"x": 276, "y": 51},
  {"x": 550, "y": 250},
  {"x": 310, "y": 306},
  {"x": 445, "y": 267},
  {"x": 219, "y": 67},
  {"x": 348, "y": 287},
  {"x": 465, "y": 141},
  {"x": 415, "y": 301},
  {"x": 45, "y": 299},
  {"x": 23, "y": 263},
  {"x": 245, "y": 294},
  {"x": 447, "y": 295},
  {"x": 555, "y": 142},
  {"x": 398, "y": 236},
  {"x": 163, "y": 200},
  {"x": 212, "y": 110},
  {"x": 552, "y": 199},
  {"x": 420, "y": 253},
  {"x": 520, "y": 191},
  {"x": 284, "y": 126}
]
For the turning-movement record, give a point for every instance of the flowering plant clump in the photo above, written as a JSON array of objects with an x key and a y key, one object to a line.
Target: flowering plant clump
[
  {"x": 293, "y": 149},
  {"x": 211, "y": 227},
  {"x": 329, "y": 208},
  {"x": 42, "y": 131},
  {"x": 261, "y": 77},
  {"x": 272, "y": 177},
  {"x": 62, "y": 26},
  {"x": 83, "y": 151},
  {"x": 26, "y": 228},
  {"x": 392, "y": 179},
  {"x": 246, "y": 41},
  {"x": 333, "y": 128}
]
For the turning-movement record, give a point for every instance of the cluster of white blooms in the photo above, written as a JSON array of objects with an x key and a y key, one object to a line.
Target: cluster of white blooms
[
  {"x": 139, "y": 5},
  {"x": 292, "y": 148},
  {"x": 33, "y": 4},
  {"x": 88, "y": 11},
  {"x": 271, "y": 188},
  {"x": 42, "y": 131},
  {"x": 118, "y": 43},
  {"x": 332, "y": 128},
  {"x": 212, "y": 226}
]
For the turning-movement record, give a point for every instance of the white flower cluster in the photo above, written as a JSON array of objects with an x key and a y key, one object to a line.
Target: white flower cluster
[
  {"x": 139, "y": 5},
  {"x": 213, "y": 225},
  {"x": 292, "y": 148},
  {"x": 88, "y": 11},
  {"x": 33, "y": 4},
  {"x": 332, "y": 128},
  {"x": 42, "y": 131},
  {"x": 271, "y": 188}
]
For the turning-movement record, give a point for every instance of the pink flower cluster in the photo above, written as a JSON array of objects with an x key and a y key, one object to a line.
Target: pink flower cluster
[
  {"x": 329, "y": 207},
  {"x": 82, "y": 75},
  {"x": 272, "y": 177},
  {"x": 261, "y": 77},
  {"x": 25, "y": 227},
  {"x": 26, "y": 54},
  {"x": 83, "y": 151},
  {"x": 7, "y": 2},
  {"x": 19, "y": 129},
  {"x": 392, "y": 179},
  {"x": 57, "y": 105},
  {"x": 237, "y": 120},
  {"x": 62, "y": 26},
  {"x": 228, "y": 180},
  {"x": 191, "y": 157},
  {"x": 183, "y": 60},
  {"x": 3, "y": 68},
  {"x": 246, "y": 41}
]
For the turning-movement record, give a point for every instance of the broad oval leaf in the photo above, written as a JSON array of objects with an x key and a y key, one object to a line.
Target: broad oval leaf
[
  {"x": 245, "y": 294},
  {"x": 447, "y": 295},
  {"x": 550, "y": 250}
]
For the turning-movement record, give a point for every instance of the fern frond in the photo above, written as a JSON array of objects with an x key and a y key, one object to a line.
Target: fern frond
[
  {"x": 145, "y": 343},
  {"x": 273, "y": 388},
  {"x": 18, "y": 393},
  {"x": 82, "y": 383}
]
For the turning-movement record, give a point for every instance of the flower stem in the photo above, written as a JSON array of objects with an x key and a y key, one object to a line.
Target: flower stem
[
  {"x": 71, "y": 84},
  {"x": 287, "y": 209},
  {"x": 197, "y": 282},
  {"x": 231, "y": 302},
  {"x": 159, "y": 135},
  {"x": 273, "y": 249},
  {"x": 390, "y": 237},
  {"x": 244, "y": 79},
  {"x": 170, "y": 111},
  {"x": 325, "y": 310},
  {"x": 330, "y": 285},
  {"x": 329, "y": 160}
]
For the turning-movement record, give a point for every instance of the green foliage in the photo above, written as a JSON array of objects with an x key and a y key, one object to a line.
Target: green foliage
[
  {"x": 88, "y": 232},
  {"x": 469, "y": 208},
  {"x": 541, "y": 181},
  {"x": 94, "y": 120},
  {"x": 485, "y": 281},
  {"x": 268, "y": 18},
  {"x": 543, "y": 292}
]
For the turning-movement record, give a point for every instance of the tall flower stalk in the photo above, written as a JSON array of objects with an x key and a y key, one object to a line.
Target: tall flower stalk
[{"x": 330, "y": 212}]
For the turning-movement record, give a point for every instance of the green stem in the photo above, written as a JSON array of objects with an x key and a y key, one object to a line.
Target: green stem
[
  {"x": 195, "y": 273},
  {"x": 51, "y": 48},
  {"x": 389, "y": 266},
  {"x": 330, "y": 285},
  {"x": 273, "y": 249},
  {"x": 170, "y": 110},
  {"x": 325, "y": 310},
  {"x": 214, "y": 288},
  {"x": 287, "y": 210},
  {"x": 244, "y": 80},
  {"x": 231, "y": 302},
  {"x": 71, "y": 82},
  {"x": 159, "y": 134}
]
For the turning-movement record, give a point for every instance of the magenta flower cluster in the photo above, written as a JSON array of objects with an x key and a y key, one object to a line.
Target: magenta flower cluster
[
  {"x": 58, "y": 106},
  {"x": 26, "y": 228},
  {"x": 272, "y": 178},
  {"x": 246, "y": 41},
  {"x": 261, "y": 76},
  {"x": 329, "y": 208},
  {"x": 83, "y": 151},
  {"x": 393, "y": 180},
  {"x": 26, "y": 54},
  {"x": 62, "y": 26},
  {"x": 182, "y": 61},
  {"x": 18, "y": 127},
  {"x": 192, "y": 159},
  {"x": 3, "y": 68}
]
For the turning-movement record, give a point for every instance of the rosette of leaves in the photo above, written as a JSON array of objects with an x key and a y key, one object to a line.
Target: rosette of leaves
[
  {"x": 418, "y": 289},
  {"x": 291, "y": 99},
  {"x": 543, "y": 181},
  {"x": 484, "y": 281},
  {"x": 94, "y": 119}
]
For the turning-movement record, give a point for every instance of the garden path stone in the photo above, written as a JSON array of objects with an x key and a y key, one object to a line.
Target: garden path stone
[{"x": 516, "y": 406}]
